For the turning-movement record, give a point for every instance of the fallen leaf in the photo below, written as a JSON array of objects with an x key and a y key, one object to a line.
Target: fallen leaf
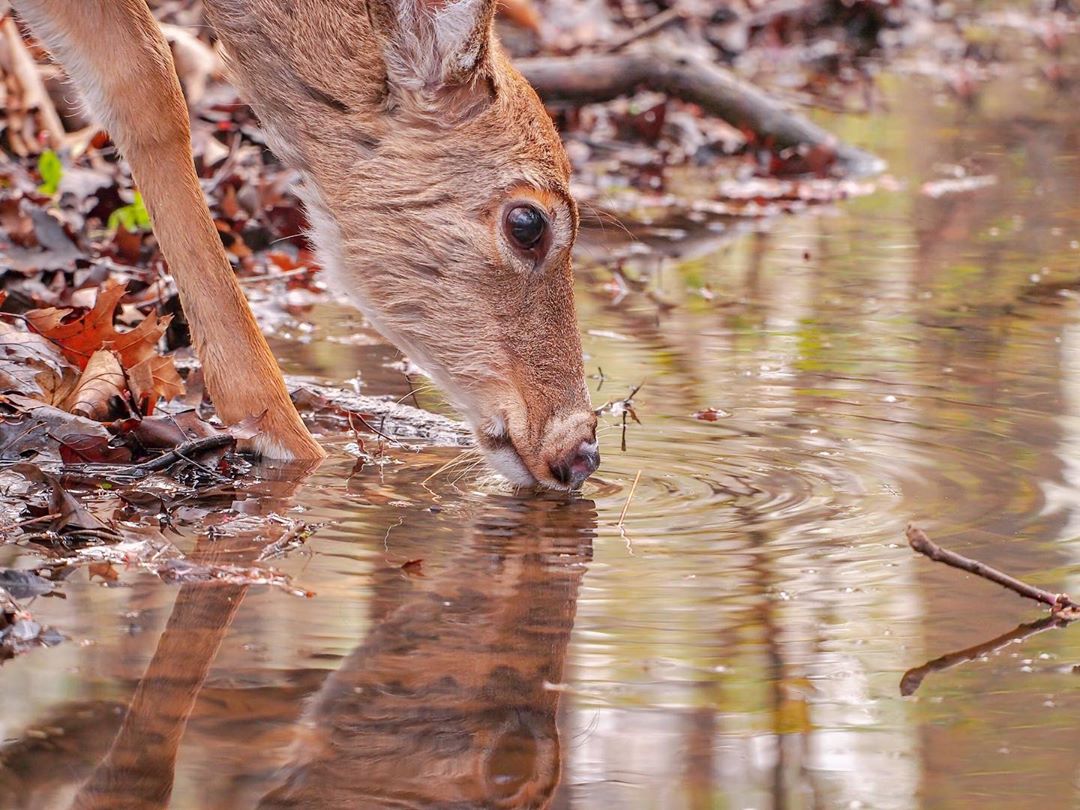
[
  {"x": 79, "y": 338},
  {"x": 31, "y": 426},
  {"x": 168, "y": 431},
  {"x": 154, "y": 377},
  {"x": 31, "y": 365},
  {"x": 15, "y": 223},
  {"x": 521, "y": 13},
  {"x": 104, "y": 570},
  {"x": 413, "y": 567},
  {"x": 70, "y": 513},
  {"x": 24, "y": 584},
  {"x": 84, "y": 449},
  {"x": 101, "y": 380},
  {"x": 711, "y": 415},
  {"x": 18, "y": 630}
]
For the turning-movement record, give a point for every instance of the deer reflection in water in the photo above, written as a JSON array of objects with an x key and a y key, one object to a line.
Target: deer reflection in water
[{"x": 445, "y": 703}]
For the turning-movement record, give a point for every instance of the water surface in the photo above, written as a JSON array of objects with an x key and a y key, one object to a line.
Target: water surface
[{"x": 740, "y": 640}]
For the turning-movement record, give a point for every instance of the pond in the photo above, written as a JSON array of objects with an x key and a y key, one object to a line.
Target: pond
[{"x": 738, "y": 637}]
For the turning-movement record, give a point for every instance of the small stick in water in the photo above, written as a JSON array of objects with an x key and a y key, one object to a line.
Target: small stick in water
[
  {"x": 630, "y": 497},
  {"x": 1060, "y": 603}
]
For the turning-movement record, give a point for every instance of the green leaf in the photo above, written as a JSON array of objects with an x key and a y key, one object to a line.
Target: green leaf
[
  {"x": 51, "y": 170},
  {"x": 133, "y": 218}
]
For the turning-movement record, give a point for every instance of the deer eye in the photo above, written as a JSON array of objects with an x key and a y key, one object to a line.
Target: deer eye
[{"x": 525, "y": 225}]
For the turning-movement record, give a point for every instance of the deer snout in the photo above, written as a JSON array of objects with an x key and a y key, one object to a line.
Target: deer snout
[
  {"x": 578, "y": 465},
  {"x": 568, "y": 449}
]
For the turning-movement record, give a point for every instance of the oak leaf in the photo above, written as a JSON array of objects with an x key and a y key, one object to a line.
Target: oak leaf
[
  {"x": 78, "y": 339},
  {"x": 149, "y": 375},
  {"x": 154, "y": 377}
]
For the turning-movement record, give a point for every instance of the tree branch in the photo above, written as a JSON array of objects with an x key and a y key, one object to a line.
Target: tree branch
[
  {"x": 602, "y": 77},
  {"x": 1059, "y": 603}
]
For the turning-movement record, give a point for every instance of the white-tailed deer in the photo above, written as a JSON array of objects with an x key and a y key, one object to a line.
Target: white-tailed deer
[{"x": 435, "y": 183}]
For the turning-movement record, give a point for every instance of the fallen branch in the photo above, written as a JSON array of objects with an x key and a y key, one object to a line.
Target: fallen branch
[
  {"x": 1060, "y": 604},
  {"x": 913, "y": 678},
  {"x": 182, "y": 452},
  {"x": 602, "y": 77}
]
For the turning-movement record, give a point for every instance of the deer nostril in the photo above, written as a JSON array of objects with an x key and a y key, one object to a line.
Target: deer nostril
[{"x": 577, "y": 466}]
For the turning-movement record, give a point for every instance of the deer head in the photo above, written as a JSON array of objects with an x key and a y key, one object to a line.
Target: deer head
[{"x": 438, "y": 193}]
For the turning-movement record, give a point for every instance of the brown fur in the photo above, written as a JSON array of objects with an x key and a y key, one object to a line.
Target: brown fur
[{"x": 413, "y": 133}]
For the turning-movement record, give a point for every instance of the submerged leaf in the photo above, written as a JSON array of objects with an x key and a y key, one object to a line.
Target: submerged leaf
[{"x": 30, "y": 426}]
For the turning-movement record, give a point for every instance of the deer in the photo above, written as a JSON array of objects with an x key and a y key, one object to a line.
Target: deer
[{"x": 434, "y": 181}]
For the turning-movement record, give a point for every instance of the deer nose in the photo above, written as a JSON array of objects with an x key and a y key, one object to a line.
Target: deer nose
[{"x": 578, "y": 465}]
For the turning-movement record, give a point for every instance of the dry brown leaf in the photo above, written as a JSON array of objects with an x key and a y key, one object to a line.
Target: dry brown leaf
[
  {"x": 80, "y": 338},
  {"x": 16, "y": 223},
  {"x": 154, "y": 377},
  {"x": 196, "y": 62},
  {"x": 19, "y": 64},
  {"x": 31, "y": 365},
  {"x": 101, "y": 380},
  {"x": 29, "y": 427}
]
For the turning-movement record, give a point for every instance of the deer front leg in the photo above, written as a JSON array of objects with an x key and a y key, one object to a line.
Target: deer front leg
[{"x": 116, "y": 54}]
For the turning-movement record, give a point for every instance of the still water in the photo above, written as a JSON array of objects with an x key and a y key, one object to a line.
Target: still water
[{"x": 739, "y": 641}]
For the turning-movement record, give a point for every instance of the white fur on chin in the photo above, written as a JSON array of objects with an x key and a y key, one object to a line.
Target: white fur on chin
[{"x": 506, "y": 462}]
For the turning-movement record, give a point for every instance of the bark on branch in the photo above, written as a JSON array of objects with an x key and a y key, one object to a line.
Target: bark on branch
[
  {"x": 1060, "y": 603},
  {"x": 602, "y": 77}
]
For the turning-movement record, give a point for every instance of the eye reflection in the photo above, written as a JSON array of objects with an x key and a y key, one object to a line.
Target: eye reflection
[{"x": 525, "y": 226}]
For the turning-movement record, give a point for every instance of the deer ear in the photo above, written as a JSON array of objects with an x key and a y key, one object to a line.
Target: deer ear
[{"x": 430, "y": 44}]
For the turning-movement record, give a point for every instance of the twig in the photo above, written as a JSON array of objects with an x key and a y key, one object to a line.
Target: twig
[
  {"x": 646, "y": 29},
  {"x": 1059, "y": 603},
  {"x": 913, "y": 678},
  {"x": 28, "y": 522},
  {"x": 52, "y": 537},
  {"x": 295, "y": 536},
  {"x": 188, "y": 448},
  {"x": 412, "y": 393},
  {"x": 162, "y": 462},
  {"x": 629, "y": 497},
  {"x": 356, "y": 433},
  {"x": 285, "y": 274},
  {"x": 374, "y": 430},
  {"x": 203, "y": 467}
]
